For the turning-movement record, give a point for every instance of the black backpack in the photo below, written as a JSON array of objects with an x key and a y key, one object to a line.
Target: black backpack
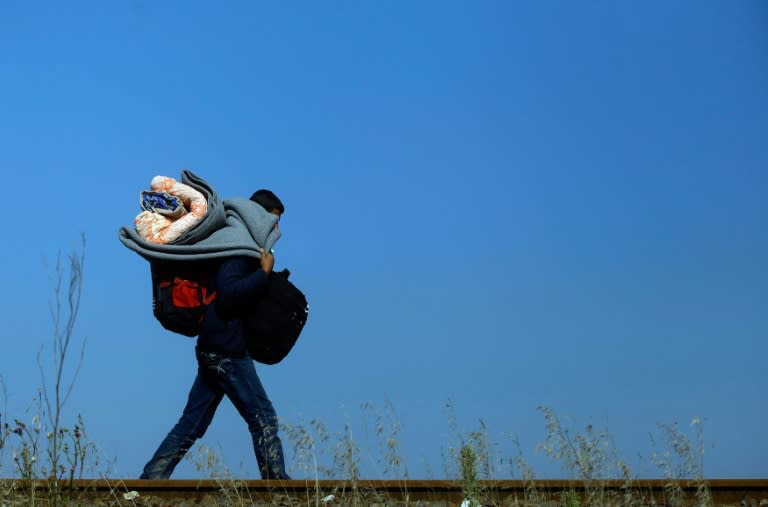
[
  {"x": 275, "y": 320},
  {"x": 180, "y": 295}
]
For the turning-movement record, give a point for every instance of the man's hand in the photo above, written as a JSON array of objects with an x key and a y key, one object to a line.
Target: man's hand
[{"x": 267, "y": 261}]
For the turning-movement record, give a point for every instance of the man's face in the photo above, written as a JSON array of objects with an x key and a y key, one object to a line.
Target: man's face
[{"x": 277, "y": 213}]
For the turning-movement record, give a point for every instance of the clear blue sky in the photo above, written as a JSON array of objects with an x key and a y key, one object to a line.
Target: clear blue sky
[{"x": 500, "y": 204}]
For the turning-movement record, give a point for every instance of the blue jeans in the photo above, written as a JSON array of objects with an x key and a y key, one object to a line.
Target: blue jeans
[{"x": 219, "y": 375}]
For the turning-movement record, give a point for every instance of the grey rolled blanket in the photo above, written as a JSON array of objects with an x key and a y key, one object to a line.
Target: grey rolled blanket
[{"x": 230, "y": 227}]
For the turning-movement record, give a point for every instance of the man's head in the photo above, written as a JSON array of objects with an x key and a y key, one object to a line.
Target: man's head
[{"x": 269, "y": 201}]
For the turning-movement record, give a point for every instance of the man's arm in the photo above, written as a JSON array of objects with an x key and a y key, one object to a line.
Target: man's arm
[{"x": 237, "y": 284}]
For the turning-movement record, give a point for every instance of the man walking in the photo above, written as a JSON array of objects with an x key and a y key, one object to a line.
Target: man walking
[{"x": 224, "y": 367}]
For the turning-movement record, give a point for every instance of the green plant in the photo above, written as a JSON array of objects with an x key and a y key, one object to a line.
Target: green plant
[
  {"x": 45, "y": 448},
  {"x": 570, "y": 498},
  {"x": 25, "y": 457},
  {"x": 470, "y": 486},
  {"x": 682, "y": 460},
  {"x": 532, "y": 495},
  {"x": 5, "y": 432},
  {"x": 387, "y": 431},
  {"x": 307, "y": 443},
  {"x": 346, "y": 463},
  {"x": 589, "y": 457},
  {"x": 64, "y": 315},
  {"x": 5, "y": 428},
  {"x": 477, "y": 440},
  {"x": 231, "y": 490},
  {"x": 471, "y": 458}
]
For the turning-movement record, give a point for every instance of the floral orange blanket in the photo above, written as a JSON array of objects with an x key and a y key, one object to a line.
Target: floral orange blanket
[{"x": 164, "y": 220}]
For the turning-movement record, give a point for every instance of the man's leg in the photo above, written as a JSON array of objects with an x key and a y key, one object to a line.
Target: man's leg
[
  {"x": 198, "y": 413},
  {"x": 244, "y": 388}
]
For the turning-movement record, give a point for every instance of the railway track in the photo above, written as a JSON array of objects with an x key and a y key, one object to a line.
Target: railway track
[{"x": 330, "y": 493}]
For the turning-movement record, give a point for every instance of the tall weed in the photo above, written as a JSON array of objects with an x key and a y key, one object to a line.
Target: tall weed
[
  {"x": 681, "y": 461},
  {"x": 42, "y": 446}
]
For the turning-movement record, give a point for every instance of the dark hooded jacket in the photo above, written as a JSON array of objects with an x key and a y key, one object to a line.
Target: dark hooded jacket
[{"x": 237, "y": 281}]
